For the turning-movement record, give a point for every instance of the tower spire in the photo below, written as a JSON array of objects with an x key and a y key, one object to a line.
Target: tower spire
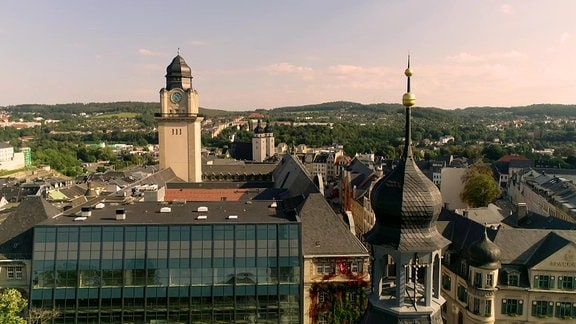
[{"x": 408, "y": 100}]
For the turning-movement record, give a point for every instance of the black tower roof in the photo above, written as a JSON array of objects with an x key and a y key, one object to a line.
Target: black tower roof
[
  {"x": 484, "y": 253},
  {"x": 405, "y": 202},
  {"x": 259, "y": 129},
  {"x": 177, "y": 72}
]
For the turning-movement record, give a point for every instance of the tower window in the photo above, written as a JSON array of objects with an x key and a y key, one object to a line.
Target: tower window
[{"x": 489, "y": 280}]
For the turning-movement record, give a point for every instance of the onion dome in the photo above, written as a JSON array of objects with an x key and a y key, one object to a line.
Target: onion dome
[
  {"x": 178, "y": 74},
  {"x": 259, "y": 129},
  {"x": 269, "y": 128},
  {"x": 405, "y": 202},
  {"x": 484, "y": 254}
]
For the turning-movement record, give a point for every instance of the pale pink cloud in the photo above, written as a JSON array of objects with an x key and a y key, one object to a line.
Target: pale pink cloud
[
  {"x": 506, "y": 9},
  {"x": 198, "y": 43},
  {"x": 148, "y": 52},
  {"x": 465, "y": 57},
  {"x": 286, "y": 68},
  {"x": 565, "y": 38}
]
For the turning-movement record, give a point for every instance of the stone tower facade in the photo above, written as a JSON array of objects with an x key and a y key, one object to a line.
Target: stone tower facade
[
  {"x": 263, "y": 145},
  {"x": 179, "y": 123}
]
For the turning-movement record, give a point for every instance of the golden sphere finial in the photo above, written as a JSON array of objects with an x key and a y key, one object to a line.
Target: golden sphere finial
[
  {"x": 408, "y": 99},
  {"x": 408, "y": 72}
]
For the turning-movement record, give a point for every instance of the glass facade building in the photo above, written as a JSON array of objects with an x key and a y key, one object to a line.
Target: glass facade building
[{"x": 169, "y": 273}]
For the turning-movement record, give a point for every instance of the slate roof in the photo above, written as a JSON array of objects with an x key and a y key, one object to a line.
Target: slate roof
[
  {"x": 291, "y": 175},
  {"x": 323, "y": 232},
  {"x": 538, "y": 221},
  {"x": 406, "y": 205},
  {"x": 16, "y": 230}
]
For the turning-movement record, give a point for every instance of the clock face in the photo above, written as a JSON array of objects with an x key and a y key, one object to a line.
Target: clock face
[{"x": 176, "y": 97}]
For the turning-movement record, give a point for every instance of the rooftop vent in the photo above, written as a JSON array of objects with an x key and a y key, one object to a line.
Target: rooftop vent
[
  {"x": 202, "y": 217},
  {"x": 273, "y": 204},
  {"x": 86, "y": 212},
  {"x": 120, "y": 214},
  {"x": 232, "y": 217},
  {"x": 165, "y": 210},
  {"x": 81, "y": 218},
  {"x": 99, "y": 206},
  {"x": 202, "y": 209}
]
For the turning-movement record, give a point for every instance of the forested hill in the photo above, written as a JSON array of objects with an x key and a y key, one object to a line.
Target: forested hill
[
  {"x": 328, "y": 109},
  {"x": 59, "y": 111},
  {"x": 340, "y": 107}
]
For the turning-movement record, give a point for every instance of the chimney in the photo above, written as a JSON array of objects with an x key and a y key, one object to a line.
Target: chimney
[
  {"x": 120, "y": 214},
  {"x": 521, "y": 212},
  {"x": 465, "y": 213}
]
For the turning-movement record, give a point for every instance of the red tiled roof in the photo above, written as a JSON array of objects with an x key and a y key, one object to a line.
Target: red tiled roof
[{"x": 510, "y": 157}]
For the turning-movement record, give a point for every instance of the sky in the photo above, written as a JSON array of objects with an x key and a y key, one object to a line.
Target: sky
[{"x": 263, "y": 54}]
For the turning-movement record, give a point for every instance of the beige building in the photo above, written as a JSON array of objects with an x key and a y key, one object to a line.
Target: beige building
[
  {"x": 451, "y": 187},
  {"x": 509, "y": 275},
  {"x": 179, "y": 123}
]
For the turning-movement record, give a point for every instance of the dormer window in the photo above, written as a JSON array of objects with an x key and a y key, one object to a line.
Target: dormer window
[{"x": 513, "y": 279}]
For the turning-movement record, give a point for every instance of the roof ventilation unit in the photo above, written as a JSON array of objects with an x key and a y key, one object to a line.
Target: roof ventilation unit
[
  {"x": 81, "y": 218},
  {"x": 165, "y": 210},
  {"x": 202, "y": 209},
  {"x": 99, "y": 206},
  {"x": 232, "y": 217},
  {"x": 120, "y": 214},
  {"x": 86, "y": 212},
  {"x": 202, "y": 217}
]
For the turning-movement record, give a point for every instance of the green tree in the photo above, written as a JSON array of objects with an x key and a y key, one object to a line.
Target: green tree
[
  {"x": 11, "y": 304},
  {"x": 480, "y": 188}
]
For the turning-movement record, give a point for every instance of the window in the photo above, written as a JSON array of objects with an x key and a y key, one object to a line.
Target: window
[
  {"x": 512, "y": 306},
  {"x": 565, "y": 309},
  {"x": 355, "y": 266},
  {"x": 566, "y": 283},
  {"x": 462, "y": 294},
  {"x": 477, "y": 279},
  {"x": 489, "y": 280},
  {"x": 476, "y": 306},
  {"x": 513, "y": 279},
  {"x": 544, "y": 281},
  {"x": 14, "y": 272},
  {"x": 323, "y": 297},
  {"x": 487, "y": 308},
  {"x": 446, "y": 282},
  {"x": 352, "y": 297},
  {"x": 542, "y": 308},
  {"x": 324, "y": 267}
]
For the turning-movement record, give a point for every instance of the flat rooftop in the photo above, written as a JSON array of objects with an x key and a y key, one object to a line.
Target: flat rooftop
[{"x": 139, "y": 213}]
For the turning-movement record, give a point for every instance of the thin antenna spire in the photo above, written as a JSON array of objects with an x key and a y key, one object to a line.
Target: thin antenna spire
[
  {"x": 408, "y": 84},
  {"x": 408, "y": 100},
  {"x": 178, "y": 53}
]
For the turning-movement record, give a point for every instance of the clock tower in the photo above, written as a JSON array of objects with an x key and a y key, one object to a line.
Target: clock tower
[{"x": 179, "y": 123}]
